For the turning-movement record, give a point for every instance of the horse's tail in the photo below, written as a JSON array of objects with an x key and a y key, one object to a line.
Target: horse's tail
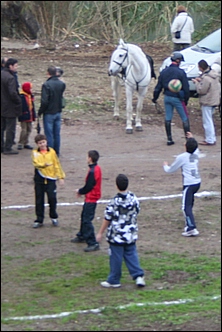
[{"x": 151, "y": 62}]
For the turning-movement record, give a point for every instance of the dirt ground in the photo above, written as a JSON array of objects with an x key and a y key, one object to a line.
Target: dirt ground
[{"x": 139, "y": 155}]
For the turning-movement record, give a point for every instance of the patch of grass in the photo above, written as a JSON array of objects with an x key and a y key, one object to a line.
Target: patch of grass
[{"x": 57, "y": 285}]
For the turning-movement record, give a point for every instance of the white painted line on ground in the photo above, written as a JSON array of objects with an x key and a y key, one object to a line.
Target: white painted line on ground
[
  {"x": 121, "y": 307},
  {"x": 202, "y": 194}
]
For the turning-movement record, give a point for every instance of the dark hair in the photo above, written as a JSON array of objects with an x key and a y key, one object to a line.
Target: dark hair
[
  {"x": 59, "y": 72},
  {"x": 40, "y": 137},
  {"x": 203, "y": 64},
  {"x": 52, "y": 71},
  {"x": 122, "y": 182},
  {"x": 191, "y": 145},
  {"x": 94, "y": 155},
  {"x": 10, "y": 62}
]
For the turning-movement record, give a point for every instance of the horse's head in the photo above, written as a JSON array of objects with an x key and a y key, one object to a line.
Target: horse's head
[{"x": 118, "y": 60}]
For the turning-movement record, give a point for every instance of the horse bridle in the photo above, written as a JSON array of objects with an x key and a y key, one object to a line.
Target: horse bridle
[
  {"x": 123, "y": 71},
  {"x": 125, "y": 56}
]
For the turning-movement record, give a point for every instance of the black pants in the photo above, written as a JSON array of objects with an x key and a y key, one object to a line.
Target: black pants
[
  {"x": 50, "y": 189},
  {"x": 8, "y": 125},
  {"x": 86, "y": 227}
]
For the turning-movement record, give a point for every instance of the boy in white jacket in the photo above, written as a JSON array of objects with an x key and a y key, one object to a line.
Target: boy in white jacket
[{"x": 188, "y": 162}]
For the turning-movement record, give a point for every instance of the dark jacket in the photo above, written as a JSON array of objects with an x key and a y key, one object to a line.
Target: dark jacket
[
  {"x": 27, "y": 115},
  {"x": 166, "y": 75},
  {"x": 11, "y": 104},
  {"x": 92, "y": 188},
  {"x": 51, "y": 96}
]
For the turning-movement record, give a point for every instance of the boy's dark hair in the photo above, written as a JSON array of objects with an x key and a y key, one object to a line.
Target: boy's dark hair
[
  {"x": 203, "y": 64},
  {"x": 52, "y": 71},
  {"x": 10, "y": 62},
  {"x": 94, "y": 155},
  {"x": 40, "y": 137},
  {"x": 122, "y": 182},
  {"x": 191, "y": 145}
]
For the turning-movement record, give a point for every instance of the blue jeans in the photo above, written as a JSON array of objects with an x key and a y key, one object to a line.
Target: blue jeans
[
  {"x": 187, "y": 205},
  {"x": 52, "y": 125},
  {"x": 86, "y": 228},
  {"x": 173, "y": 102},
  {"x": 127, "y": 252}
]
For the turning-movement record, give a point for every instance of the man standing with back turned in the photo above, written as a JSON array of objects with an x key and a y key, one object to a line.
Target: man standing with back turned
[
  {"x": 173, "y": 100},
  {"x": 51, "y": 108}
]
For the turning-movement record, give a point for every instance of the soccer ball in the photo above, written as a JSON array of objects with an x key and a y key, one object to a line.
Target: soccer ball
[{"x": 175, "y": 85}]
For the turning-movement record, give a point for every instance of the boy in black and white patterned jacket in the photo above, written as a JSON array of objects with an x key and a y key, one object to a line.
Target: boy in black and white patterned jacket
[{"x": 122, "y": 232}]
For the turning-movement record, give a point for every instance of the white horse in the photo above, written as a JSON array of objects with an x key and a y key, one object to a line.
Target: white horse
[{"x": 129, "y": 63}]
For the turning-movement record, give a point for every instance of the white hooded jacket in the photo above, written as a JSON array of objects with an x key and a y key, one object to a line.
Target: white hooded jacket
[{"x": 188, "y": 29}]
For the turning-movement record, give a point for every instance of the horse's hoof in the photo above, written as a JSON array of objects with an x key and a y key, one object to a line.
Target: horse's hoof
[
  {"x": 116, "y": 117},
  {"x": 129, "y": 131},
  {"x": 139, "y": 128}
]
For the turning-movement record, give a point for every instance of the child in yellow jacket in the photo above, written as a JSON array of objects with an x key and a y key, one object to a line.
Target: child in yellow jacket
[{"x": 47, "y": 170}]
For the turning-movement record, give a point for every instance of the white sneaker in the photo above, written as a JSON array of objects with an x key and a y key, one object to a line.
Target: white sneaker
[
  {"x": 108, "y": 285},
  {"x": 193, "y": 232},
  {"x": 140, "y": 282},
  {"x": 55, "y": 222}
]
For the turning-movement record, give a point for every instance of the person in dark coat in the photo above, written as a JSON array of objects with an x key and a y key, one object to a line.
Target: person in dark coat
[
  {"x": 11, "y": 105},
  {"x": 51, "y": 108},
  {"x": 171, "y": 99}
]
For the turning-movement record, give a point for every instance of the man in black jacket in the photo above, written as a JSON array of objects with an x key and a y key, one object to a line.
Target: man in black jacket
[
  {"x": 171, "y": 99},
  {"x": 11, "y": 105},
  {"x": 51, "y": 108}
]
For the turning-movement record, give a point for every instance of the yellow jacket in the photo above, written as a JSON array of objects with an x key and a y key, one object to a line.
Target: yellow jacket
[{"x": 40, "y": 160}]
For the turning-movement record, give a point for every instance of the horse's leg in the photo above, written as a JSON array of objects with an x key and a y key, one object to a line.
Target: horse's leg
[
  {"x": 139, "y": 107},
  {"x": 129, "y": 110},
  {"x": 116, "y": 87}
]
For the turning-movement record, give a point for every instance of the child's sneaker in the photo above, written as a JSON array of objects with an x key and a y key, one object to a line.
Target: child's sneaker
[
  {"x": 55, "y": 222},
  {"x": 193, "y": 232},
  {"x": 37, "y": 224},
  {"x": 106, "y": 284},
  {"x": 140, "y": 282}
]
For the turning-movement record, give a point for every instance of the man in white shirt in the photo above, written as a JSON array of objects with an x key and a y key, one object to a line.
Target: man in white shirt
[{"x": 185, "y": 22}]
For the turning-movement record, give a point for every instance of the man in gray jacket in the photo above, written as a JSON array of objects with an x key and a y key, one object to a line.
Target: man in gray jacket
[
  {"x": 51, "y": 108},
  {"x": 11, "y": 105},
  {"x": 208, "y": 89}
]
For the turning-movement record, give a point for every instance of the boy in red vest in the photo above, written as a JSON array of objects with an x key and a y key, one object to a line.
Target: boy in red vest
[{"x": 92, "y": 192}]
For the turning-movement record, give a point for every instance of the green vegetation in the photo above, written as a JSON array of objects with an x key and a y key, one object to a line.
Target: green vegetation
[{"x": 136, "y": 21}]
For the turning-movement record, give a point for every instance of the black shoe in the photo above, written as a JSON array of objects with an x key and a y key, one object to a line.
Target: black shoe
[
  {"x": 170, "y": 142},
  {"x": 10, "y": 152},
  {"x": 78, "y": 240},
  {"x": 28, "y": 147},
  {"x": 94, "y": 247}
]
